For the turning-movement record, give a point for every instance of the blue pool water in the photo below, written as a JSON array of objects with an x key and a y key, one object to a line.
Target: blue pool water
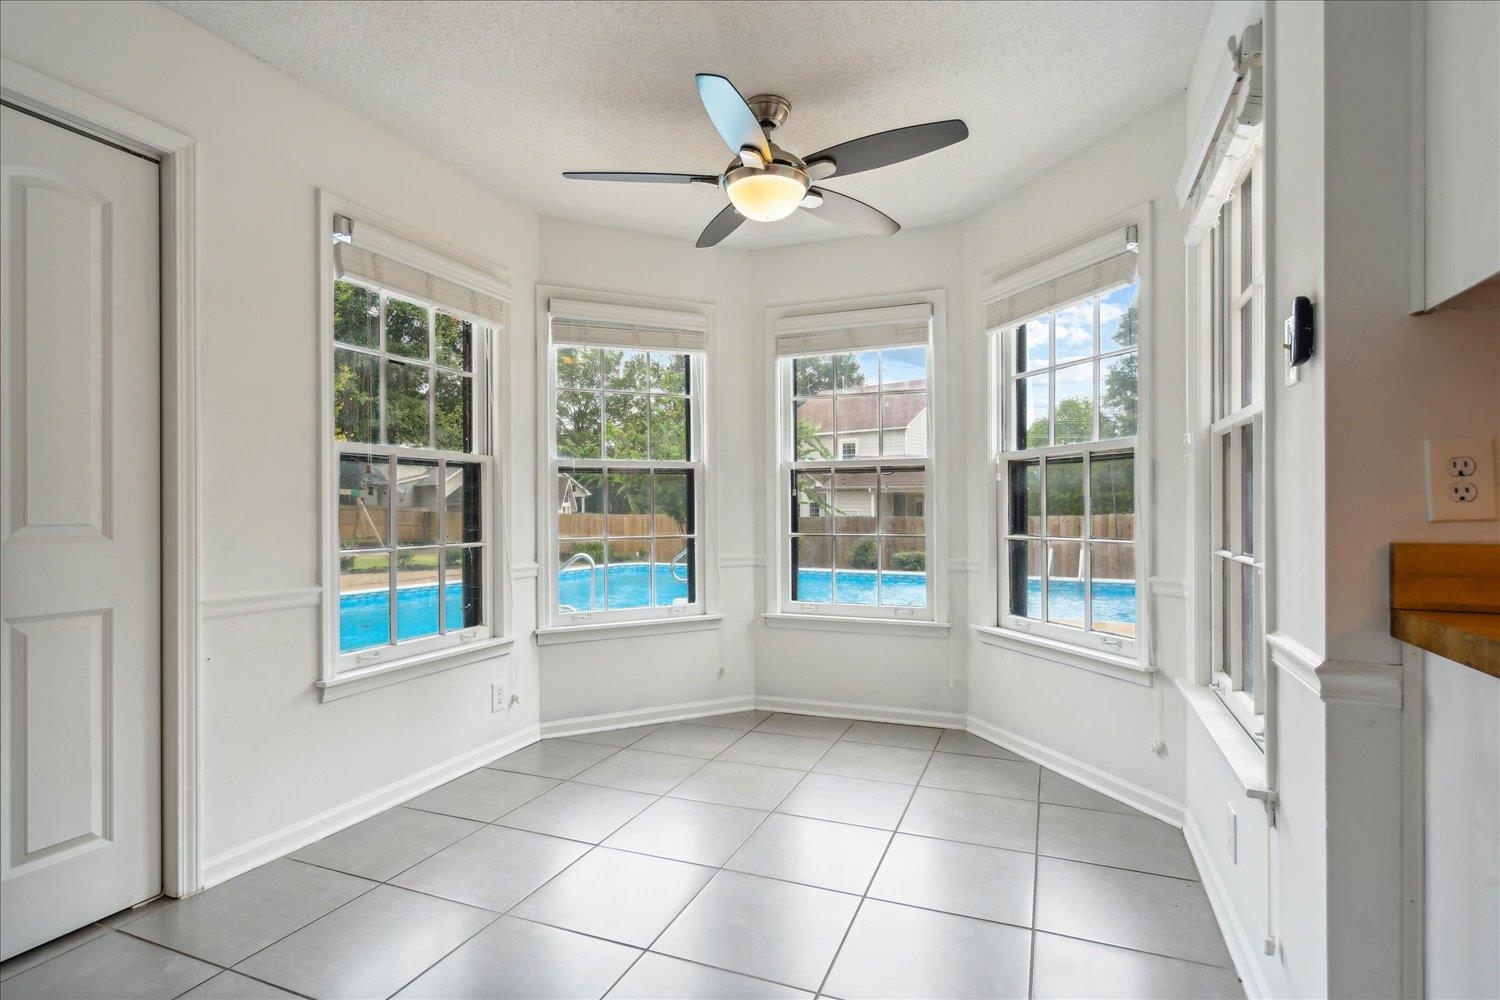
[{"x": 364, "y": 620}]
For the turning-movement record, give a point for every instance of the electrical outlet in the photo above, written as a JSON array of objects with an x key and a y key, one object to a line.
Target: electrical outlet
[
  {"x": 499, "y": 702},
  {"x": 1233, "y": 835},
  {"x": 1460, "y": 479}
]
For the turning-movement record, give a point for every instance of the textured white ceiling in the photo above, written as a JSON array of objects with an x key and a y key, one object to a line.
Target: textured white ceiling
[{"x": 515, "y": 93}]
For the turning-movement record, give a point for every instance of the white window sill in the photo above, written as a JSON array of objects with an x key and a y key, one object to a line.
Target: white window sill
[
  {"x": 560, "y": 634},
  {"x": 866, "y": 626},
  {"x": 1122, "y": 668},
  {"x": 349, "y": 682},
  {"x": 1244, "y": 756}
]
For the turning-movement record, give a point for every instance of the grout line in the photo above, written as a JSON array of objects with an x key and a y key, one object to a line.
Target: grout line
[{"x": 1036, "y": 878}]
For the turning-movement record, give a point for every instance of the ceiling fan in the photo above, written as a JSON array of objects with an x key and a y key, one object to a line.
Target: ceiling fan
[{"x": 766, "y": 183}]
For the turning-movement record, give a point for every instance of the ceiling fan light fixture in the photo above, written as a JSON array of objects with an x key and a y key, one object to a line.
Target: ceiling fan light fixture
[{"x": 766, "y": 194}]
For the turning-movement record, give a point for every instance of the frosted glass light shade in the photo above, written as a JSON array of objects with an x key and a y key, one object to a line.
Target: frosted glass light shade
[{"x": 766, "y": 195}]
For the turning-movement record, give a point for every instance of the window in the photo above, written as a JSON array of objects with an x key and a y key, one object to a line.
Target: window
[
  {"x": 1232, "y": 255},
  {"x": 855, "y": 463},
  {"x": 412, "y": 460},
  {"x": 1067, "y": 368},
  {"x": 625, "y": 461}
]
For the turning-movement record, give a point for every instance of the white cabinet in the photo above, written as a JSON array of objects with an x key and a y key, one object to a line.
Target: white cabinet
[{"x": 1457, "y": 123}]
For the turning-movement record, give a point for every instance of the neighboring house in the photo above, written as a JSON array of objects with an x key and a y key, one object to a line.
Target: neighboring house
[
  {"x": 869, "y": 424},
  {"x": 571, "y": 494}
]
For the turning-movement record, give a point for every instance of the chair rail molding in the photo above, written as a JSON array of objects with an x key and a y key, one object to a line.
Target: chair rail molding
[
  {"x": 261, "y": 602},
  {"x": 1350, "y": 681}
]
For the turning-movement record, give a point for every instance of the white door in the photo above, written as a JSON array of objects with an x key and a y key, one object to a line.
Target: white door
[{"x": 80, "y": 531}]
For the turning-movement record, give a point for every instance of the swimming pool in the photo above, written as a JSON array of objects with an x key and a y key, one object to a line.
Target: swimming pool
[{"x": 364, "y": 618}]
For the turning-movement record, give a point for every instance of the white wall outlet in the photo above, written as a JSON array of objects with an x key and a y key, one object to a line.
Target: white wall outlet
[
  {"x": 1460, "y": 479},
  {"x": 499, "y": 701},
  {"x": 1232, "y": 836}
]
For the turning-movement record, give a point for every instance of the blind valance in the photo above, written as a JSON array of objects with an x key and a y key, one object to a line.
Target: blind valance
[
  {"x": 855, "y": 330},
  {"x": 606, "y": 324},
  {"x": 1039, "y": 298},
  {"x": 404, "y": 279}
]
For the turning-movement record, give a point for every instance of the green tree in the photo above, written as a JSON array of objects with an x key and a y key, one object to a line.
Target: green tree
[
  {"x": 1121, "y": 390},
  {"x": 826, "y": 372}
]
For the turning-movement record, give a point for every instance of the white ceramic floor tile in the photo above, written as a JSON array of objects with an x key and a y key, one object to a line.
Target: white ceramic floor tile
[
  {"x": 750, "y": 785},
  {"x": 578, "y": 812},
  {"x": 868, "y": 760},
  {"x": 893, "y": 735},
  {"x": 761, "y": 927},
  {"x": 370, "y": 947},
  {"x": 495, "y": 868},
  {"x": 958, "y": 741},
  {"x": 984, "y": 882},
  {"x": 483, "y": 795},
  {"x": 1066, "y": 968},
  {"x": 45, "y": 952},
  {"x": 743, "y": 721},
  {"x": 1121, "y": 841},
  {"x": 661, "y": 977},
  {"x": 233, "y": 986},
  {"x": 553, "y": 758},
  {"x": 616, "y": 737},
  {"x": 1067, "y": 792},
  {"x": 777, "y": 750},
  {"x": 519, "y": 960},
  {"x": 112, "y": 966},
  {"x": 987, "y": 775},
  {"x": 988, "y": 820},
  {"x": 689, "y": 740},
  {"x": 703, "y": 833},
  {"x": 1165, "y": 916},
  {"x": 387, "y": 843},
  {"x": 813, "y": 852},
  {"x": 630, "y": 898},
  {"x": 237, "y": 918},
  {"x": 900, "y": 951},
  {"x": 641, "y": 771},
  {"x": 848, "y": 800},
  {"x": 812, "y": 726}
]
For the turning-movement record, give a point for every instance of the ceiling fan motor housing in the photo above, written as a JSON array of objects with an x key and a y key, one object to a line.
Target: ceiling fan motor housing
[{"x": 769, "y": 109}]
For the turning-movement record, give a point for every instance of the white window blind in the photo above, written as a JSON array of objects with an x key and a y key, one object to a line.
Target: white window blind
[
  {"x": 858, "y": 330},
  {"x": 601, "y": 324},
  {"x": 403, "y": 279},
  {"x": 1036, "y": 299}
]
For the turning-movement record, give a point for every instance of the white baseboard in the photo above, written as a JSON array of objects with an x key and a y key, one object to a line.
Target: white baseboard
[
  {"x": 867, "y": 713},
  {"x": 580, "y": 724},
  {"x": 1246, "y": 957},
  {"x": 298, "y": 835},
  {"x": 1133, "y": 795}
]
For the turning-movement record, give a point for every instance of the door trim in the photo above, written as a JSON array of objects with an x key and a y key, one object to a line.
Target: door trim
[{"x": 182, "y": 870}]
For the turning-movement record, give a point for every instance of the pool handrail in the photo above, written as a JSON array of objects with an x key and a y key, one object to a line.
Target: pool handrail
[
  {"x": 584, "y": 557},
  {"x": 679, "y": 560}
]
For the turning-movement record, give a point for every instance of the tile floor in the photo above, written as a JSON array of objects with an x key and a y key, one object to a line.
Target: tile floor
[{"x": 745, "y": 855}]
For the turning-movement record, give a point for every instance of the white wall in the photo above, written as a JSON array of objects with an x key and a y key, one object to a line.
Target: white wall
[
  {"x": 1461, "y": 829},
  {"x": 274, "y": 757},
  {"x": 1041, "y": 700}
]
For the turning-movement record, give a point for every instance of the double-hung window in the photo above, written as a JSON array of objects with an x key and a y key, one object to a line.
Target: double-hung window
[
  {"x": 855, "y": 463},
  {"x": 1067, "y": 373},
  {"x": 625, "y": 471},
  {"x": 412, "y": 460}
]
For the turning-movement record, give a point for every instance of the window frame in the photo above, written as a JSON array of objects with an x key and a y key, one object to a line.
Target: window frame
[
  {"x": 554, "y": 624},
  {"x": 1003, "y": 378},
  {"x": 782, "y": 464},
  {"x": 341, "y": 673}
]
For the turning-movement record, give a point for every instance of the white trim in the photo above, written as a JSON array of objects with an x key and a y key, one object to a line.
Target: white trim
[
  {"x": 1125, "y": 668},
  {"x": 1162, "y": 586},
  {"x": 861, "y": 626},
  {"x": 741, "y": 562},
  {"x": 1413, "y": 823},
  {"x": 1245, "y": 958},
  {"x": 525, "y": 571},
  {"x": 559, "y": 635},
  {"x": 862, "y": 712},
  {"x": 347, "y": 682},
  {"x": 297, "y": 835},
  {"x": 579, "y": 725},
  {"x": 1296, "y": 659},
  {"x": 1417, "y": 167},
  {"x": 262, "y": 602},
  {"x": 1350, "y": 681},
  {"x": 1136, "y": 796},
  {"x": 1244, "y": 756},
  {"x": 181, "y": 668},
  {"x": 963, "y": 565}
]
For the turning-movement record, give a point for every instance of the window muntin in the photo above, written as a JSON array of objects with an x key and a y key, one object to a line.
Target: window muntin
[
  {"x": 856, "y": 470},
  {"x": 412, "y": 467},
  {"x": 1233, "y": 253},
  {"x": 627, "y": 445},
  {"x": 1069, "y": 404}
]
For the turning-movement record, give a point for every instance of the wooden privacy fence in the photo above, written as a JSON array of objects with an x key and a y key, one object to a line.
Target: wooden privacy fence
[
  {"x": 864, "y": 525},
  {"x": 1112, "y": 562},
  {"x": 620, "y": 525},
  {"x": 414, "y": 525}
]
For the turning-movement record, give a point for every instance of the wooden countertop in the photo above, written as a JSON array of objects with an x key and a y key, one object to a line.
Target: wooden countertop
[{"x": 1446, "y": 599}]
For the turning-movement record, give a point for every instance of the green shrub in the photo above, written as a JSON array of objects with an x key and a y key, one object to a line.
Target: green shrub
[
  {"x": 595, "y": 551},
  {"x": 863, "y": 554},
  {"x": 912, "y": 561}
]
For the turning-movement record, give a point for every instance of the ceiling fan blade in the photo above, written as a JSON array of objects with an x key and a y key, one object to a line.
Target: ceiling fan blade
[
  {"x": 638, "y": 177},
  {"x": 884, "y": 148},
  {"x": 851, "y": 213},
  {"x": 722, "y": 225},
  {"x": 731, "y": 115}
]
